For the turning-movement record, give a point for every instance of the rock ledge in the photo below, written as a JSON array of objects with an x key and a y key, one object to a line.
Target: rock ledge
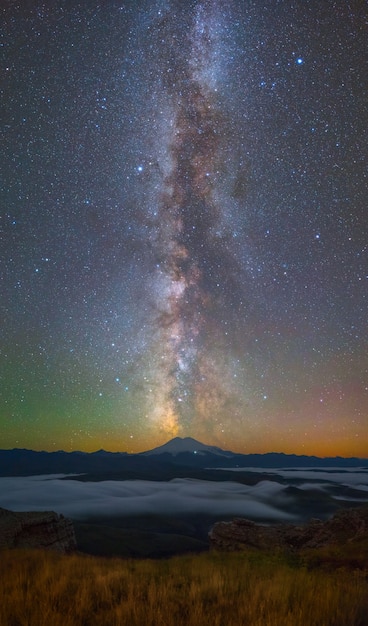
[
  {"x": 44, "y": 529},
  {"x": 345, "y": 526}
]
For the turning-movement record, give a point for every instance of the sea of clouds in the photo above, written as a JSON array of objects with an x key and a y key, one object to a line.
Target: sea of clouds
[{"x": 266, "y": 501}]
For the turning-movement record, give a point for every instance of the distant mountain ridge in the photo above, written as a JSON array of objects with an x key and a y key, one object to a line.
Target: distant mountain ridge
[{"x": 179, "y": 453}]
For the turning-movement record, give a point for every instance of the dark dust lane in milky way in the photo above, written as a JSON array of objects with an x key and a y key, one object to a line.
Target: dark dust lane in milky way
[{"x": 196, "y": 284}]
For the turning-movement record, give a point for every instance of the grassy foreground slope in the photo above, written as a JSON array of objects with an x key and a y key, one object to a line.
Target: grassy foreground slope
[{"x": 39, "y": 588}]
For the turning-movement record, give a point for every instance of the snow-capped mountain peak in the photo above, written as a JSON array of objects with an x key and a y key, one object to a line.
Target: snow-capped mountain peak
[{"x": 180, "y": 445}]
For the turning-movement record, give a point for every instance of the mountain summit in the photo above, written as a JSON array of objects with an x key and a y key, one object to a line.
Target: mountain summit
[{"x": 180, "y": 445}]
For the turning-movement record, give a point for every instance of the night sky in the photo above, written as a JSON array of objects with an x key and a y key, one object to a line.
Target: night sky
[{"x": 184, "y": 225}]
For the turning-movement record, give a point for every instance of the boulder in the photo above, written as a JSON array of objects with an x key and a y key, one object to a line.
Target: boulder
[{"x": 44, "y": 529}]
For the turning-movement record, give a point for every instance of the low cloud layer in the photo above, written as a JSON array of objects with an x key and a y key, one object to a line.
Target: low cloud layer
[
  {"x": 357, "y": 477},
  {"x": 139, "y": 497},
  {"x": 267, "y": 500}
]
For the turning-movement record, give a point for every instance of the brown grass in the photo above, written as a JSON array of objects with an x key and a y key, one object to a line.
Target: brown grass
[{"x": 46, "y": 589}]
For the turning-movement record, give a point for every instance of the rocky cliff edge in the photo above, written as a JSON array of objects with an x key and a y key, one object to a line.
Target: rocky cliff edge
[
  {"x": 44, "y": 529},
  {"x": 347, "y": 525}
]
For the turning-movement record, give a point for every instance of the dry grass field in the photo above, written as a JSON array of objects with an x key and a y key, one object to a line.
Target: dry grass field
[{"x": 39, "y": 588}]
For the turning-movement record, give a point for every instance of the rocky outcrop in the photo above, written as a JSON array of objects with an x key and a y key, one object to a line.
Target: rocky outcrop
[
  {"x": 44, "y": 529},
  {"x": 345, "y": 526}
]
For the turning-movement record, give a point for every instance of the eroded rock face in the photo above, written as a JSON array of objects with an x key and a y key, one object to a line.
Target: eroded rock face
[
  {"x": 346, "y": 525},
  {"x": 44, "y": 529}
]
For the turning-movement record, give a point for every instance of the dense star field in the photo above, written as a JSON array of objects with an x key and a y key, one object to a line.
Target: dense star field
[{"x": 184, "y": 225}]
